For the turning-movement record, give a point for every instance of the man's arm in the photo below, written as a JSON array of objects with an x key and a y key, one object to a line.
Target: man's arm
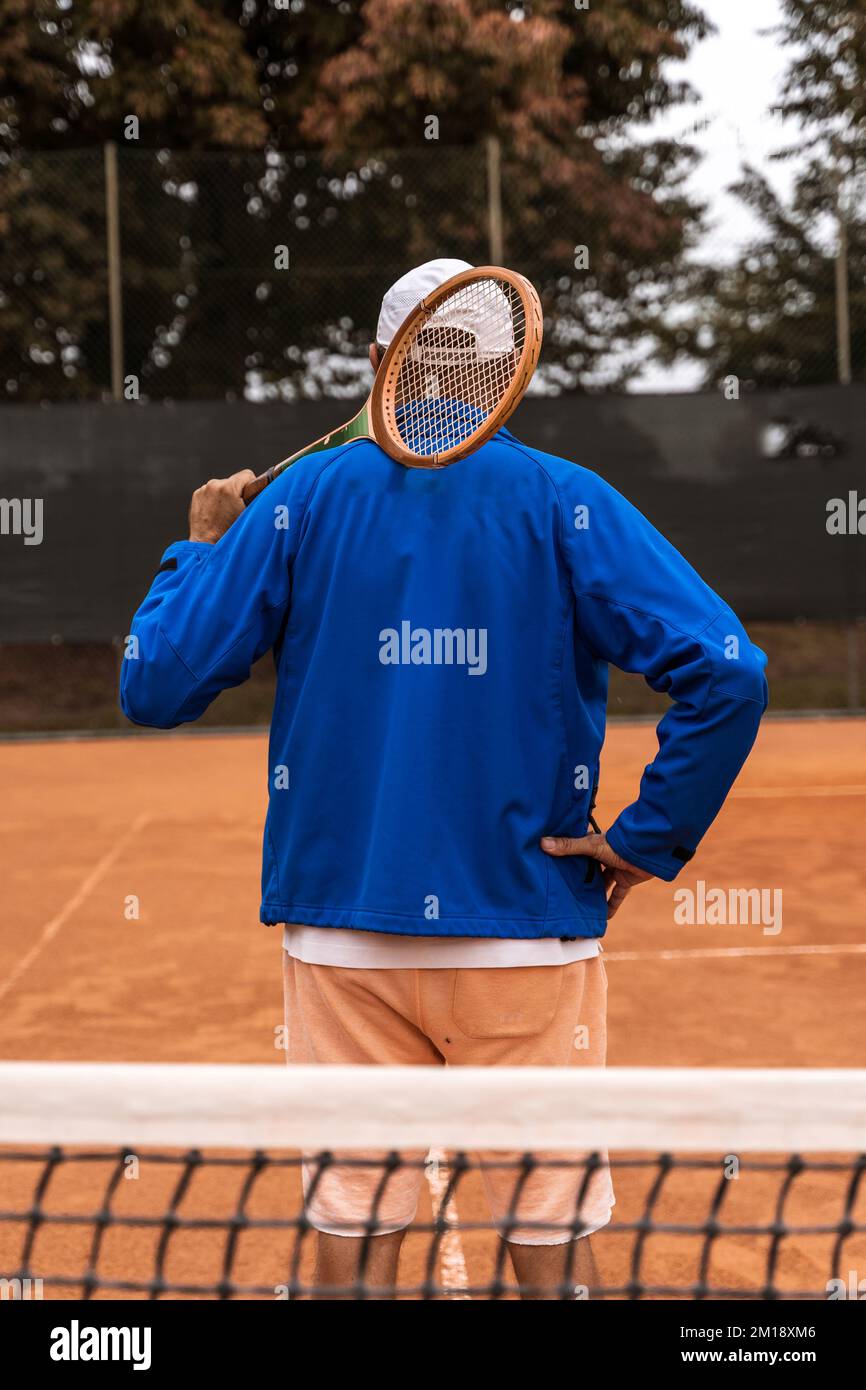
[
  {"x": 218, "y": 601},
  {"x": 641, "y": 606}
]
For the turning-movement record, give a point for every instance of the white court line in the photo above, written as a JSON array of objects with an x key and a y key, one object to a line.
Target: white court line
[
  {"x": 453, "y": 1274},
  {"x": 714, "y": 952},
  {"x": 56, "y": 924}
]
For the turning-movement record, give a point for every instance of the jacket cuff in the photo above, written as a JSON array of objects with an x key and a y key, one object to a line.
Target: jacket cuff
[
  {"x": 665, "y": 865},
  {"x": 180, "y": 548}
]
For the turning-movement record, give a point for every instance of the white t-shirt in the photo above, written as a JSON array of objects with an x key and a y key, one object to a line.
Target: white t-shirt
[{"x": 373, "y": 950}]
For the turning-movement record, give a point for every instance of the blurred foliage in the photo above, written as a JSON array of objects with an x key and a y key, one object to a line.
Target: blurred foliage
[
  {"x": 304, "y": 125},
  {"x": 824, "y": 83},
  {"x": 770, "y": 318}
]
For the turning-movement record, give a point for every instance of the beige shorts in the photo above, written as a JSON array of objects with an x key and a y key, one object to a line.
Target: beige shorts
[{"x": 548, "y": 1016}]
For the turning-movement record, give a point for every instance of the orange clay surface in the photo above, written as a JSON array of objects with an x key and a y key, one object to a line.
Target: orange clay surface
[{"x": 176, "y": 822}]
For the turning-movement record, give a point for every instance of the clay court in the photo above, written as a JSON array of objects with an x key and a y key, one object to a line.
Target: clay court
[{"x": 130, "y": 933}]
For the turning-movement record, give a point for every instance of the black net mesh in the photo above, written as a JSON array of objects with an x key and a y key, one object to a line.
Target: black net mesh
[{"x": 112, "y": 1223}]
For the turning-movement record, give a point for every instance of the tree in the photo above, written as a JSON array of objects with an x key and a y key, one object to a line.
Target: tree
[
  {"x": 564, "y": 90},
  {"x": 770, "y": 318},
  {"x": 73, "y": 75},
  {"x": 304, "y": 124},
  {"x": 823, "y": 84},
  {"x": 48, "y": 303}
]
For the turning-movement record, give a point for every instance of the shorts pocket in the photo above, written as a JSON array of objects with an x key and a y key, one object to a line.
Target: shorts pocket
[{"x": 509, "y": 1003}]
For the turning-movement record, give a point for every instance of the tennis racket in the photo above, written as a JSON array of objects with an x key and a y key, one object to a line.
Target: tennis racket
[{"x": 452, "y": 375}]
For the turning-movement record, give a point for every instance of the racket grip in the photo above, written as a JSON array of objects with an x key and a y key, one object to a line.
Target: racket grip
[{"x": 258, "y": 485}]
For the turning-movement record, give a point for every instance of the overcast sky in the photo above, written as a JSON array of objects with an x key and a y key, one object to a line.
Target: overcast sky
[{"x": 737, "y": 75}]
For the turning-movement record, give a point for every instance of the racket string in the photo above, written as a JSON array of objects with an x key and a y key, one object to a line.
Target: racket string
[{"x": 459, "y": 365}]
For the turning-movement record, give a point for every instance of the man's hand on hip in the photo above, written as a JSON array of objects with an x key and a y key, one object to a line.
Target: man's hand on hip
[
  {"x": 618, "y": 876},
  {"x": 216, "y": 505}
]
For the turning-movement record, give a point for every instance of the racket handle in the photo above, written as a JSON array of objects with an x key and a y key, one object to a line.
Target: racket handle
[{"x": 258, "y": 485}]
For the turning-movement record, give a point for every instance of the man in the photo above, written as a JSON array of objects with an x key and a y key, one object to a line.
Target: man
[{"x": 442, "y": 638}]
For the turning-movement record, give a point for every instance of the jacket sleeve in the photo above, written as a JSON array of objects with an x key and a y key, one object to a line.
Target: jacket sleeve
[
  {"x": 641, "y": 606},
  {"x": 213, "y": 610}
]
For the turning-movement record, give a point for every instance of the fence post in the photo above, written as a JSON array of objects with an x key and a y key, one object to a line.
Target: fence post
[
  {"x": 843, "y": 306},
  {"x": 115, "y": 301},
  {"x": 494, "y": 200}
]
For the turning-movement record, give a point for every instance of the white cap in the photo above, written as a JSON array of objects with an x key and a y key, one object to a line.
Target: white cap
[{"x": 409, "y": 290}]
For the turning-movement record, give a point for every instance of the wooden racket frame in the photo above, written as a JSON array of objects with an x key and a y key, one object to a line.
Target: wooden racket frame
[
  {"x": 376, "y": 418},
  {"x": 382, "y": 398}
]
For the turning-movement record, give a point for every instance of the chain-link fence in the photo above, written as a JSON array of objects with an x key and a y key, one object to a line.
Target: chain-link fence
[
  {"x": 239, "y": 275},
  {"x": 177, "y": 275}
]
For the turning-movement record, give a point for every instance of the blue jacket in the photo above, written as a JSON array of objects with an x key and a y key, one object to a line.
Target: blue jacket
[{"x": 442, "y": 639}]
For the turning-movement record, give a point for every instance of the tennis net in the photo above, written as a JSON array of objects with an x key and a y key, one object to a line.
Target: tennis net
[{"x": 186, "y": 1181}]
